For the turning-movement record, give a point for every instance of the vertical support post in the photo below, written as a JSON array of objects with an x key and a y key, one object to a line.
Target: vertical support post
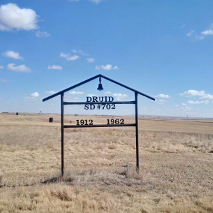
[
  {"x": 136, "y": 131},
  {"x": 62, "y": 134}
]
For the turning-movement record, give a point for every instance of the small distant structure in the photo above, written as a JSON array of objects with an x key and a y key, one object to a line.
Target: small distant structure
[
  {"x": 50, "y": 120},
  {"x": 17, "y": 113}
]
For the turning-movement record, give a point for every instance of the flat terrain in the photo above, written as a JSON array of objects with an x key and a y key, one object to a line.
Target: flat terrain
[{"x": 176, "y": 165}]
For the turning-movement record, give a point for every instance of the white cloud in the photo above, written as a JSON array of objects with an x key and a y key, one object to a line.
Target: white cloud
[
  {"x": 20, "y": 68},
  {"x": 161, "y": 101},
  {"x": 12, "y": 54},
  {"x": 75, "y": 98},
  {"x": 194, "y": 36},
  {"x": 2, "y": 80},
  {"x": 31, "y": 98},
  {"x": 35, "y": 94},
  {"x": 55, "y": 67},
  {"x": 72, "y": 58},
  {"x": 107, "y": 67},
  {"x": 50, "y": 92},
  {"x": 91, "y": 95},
  {"x": 120, "y": 96},
  {"x": 198, "y": 102},
  {"x": 13, "y": 17},
  {"x": 68, "y": 57},
  {"x": 162, "y": 96},
  {"x": 184, "y": 104},
  {"x": 186, "y": 108},
  {"x": 201, "y": 94},
  {"x": 209, "y": 31},
  {"x": 96, "y": 1},
  {"x": 207, "y": 96},
  {"x": 42, "y": 34},
  {"x": 75, "y": 93},
  {"x": 107, "y": 92},
  {"x": 202, "y": 35},
  {"x": 190, "y": 33},
  {"x": 64, "y": 55},
  {"x": 199, "y": 37},
  {"x": 115, "y": 68},
  {"x": 1, "y": 67},
  {"x": 191, "y": 93},
  {"x": 90, "y": 60},
  {"x": 79, "y": 51}
]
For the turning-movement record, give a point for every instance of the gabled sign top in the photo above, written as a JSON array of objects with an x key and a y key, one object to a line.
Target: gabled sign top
[{"x": 90, "y": 79}]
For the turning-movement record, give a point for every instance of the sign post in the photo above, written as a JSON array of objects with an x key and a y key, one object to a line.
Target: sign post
[
  {"x": 136, "y": 131},
  {"x": 103, "y": 102},
  {"x": 62, "y": 134}
]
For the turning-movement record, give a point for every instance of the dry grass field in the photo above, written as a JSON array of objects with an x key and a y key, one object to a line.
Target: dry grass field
[{"x": 176, "y": 166}]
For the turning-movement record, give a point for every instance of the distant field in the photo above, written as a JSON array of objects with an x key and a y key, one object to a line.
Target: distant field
[{"x": 176, "y": 165}]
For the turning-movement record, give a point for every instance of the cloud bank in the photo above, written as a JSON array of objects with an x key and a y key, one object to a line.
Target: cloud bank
[
  {"x": 198, "y": 102},
  {"x": 193, "y": 93}
]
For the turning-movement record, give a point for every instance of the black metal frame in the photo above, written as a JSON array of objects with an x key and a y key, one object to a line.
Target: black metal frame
[{"x": 82, "y": 103}]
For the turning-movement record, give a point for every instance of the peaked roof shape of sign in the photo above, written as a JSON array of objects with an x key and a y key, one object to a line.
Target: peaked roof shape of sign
[{"x": 90, "y": 79}]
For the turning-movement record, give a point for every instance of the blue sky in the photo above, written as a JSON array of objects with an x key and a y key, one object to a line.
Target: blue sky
[{"x": 161, "y": 48}]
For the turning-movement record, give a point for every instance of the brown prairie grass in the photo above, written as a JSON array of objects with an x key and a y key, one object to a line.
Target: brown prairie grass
[{"x": 176, "y": 167}]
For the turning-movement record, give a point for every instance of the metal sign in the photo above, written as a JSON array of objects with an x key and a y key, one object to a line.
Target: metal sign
[{"x": 100, "y": 103}]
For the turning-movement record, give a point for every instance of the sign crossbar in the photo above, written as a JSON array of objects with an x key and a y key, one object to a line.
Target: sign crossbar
[
  {"x": 98, "y": 125},
  {"x": 114, "y": 102}
]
